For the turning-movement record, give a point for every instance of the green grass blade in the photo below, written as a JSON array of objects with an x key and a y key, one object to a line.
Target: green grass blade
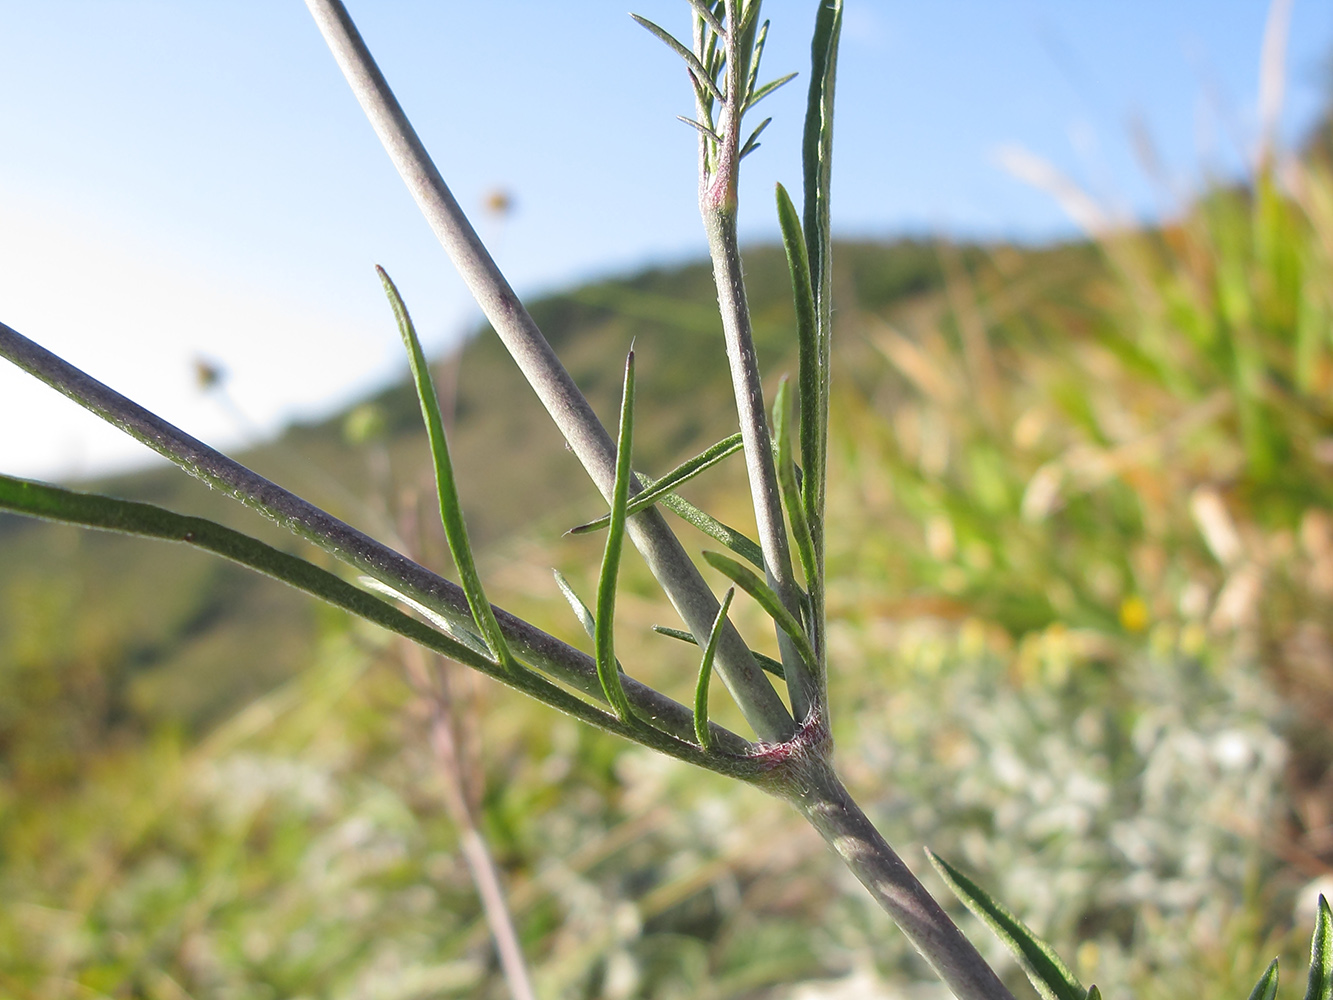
[
  {"x": 706, "y": 673},
  {"x": 680, "y": 474},
  {"x": 1266, "y": 987},
  {"x": 701, "y": 75},
  {"x": 773, "y": 666},
  {"x": 809, "y": 379},
  {"x": 746, "y": 579},
  {"x": 1048, "y": 974},
  {"x": 451, "y": 509},
  {"x": 603, "y": 630},
  {"x": 1320, "y": 984},
  {"x": 791, "y": 493}
]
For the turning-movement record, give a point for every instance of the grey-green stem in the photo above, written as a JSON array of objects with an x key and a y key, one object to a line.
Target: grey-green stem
[
  {"x": 574, "y": 417},
  {"x": 717, "y": 204},
  {"x": 749, "y": 392},
  {"x": 820, "y": 796}
]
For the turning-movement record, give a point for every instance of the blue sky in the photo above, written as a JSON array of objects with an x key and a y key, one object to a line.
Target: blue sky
[{"x": 184, "y": 180}]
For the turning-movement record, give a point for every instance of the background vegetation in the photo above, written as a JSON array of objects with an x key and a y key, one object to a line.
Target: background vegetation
[{"x": 1081, "y": 566}]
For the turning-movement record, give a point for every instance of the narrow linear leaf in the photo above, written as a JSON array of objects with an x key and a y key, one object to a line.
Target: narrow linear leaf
[
  {"x": 1266, "y": 988},
  {"x": 712, "y": 62},
  {"x": 756, "y": 57},
  {"x": 1044, "y": 969},
  {"x": 752, "y": 143},
  {"x": 680, "y": 474},
  {"x": 817, "y": 161},
  {"x": 705, "y": 11},
  {"x": 1094, "y": 993},
  {"x": 581, "y": 611},
  {"x": 706, "y": 673},
  {"x": 745, "y": 578},
  {"x": 130, "y": 517},
  {"x": 701, "y": 75},
  {"x": 604, "y": 628},
  {"x": 702, "y": 128},
  {"x": 1320, "y": 984},
  {"x": 768, "y": 88},
  {"x": 452, "y": 628},
  {"x": 748, "y": 23},
  {"x": 773, "y": 666},
  {"x": 676, "y": 633},
  {"x": 817, "y": 140},
  {"x": 791, "y": 492},
  {"x": 451, "y": 508},
  {"x": 809, "y": 377},
  {"x": 744, "y": 546}
]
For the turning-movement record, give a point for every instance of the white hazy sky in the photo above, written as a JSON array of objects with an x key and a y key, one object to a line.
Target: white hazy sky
[{"x": 182, "y": 180}]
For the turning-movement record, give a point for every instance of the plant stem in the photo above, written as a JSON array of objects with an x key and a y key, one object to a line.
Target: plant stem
[
  {"x": 574, "y": 417},
  {"x": 749, "y": 392},
  {"x": 340, "y": 539},
  {"x": 820, "y": 796},
  {"x": 717, "y": 205}
]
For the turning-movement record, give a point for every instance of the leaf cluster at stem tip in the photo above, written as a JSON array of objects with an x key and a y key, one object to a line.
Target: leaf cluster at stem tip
[{"x": 723, "y": 62}]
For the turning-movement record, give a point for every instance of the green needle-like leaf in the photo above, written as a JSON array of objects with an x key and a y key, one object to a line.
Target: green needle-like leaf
[
  {"x": 773, "y": 666},
  {"x": 1043, "y": 966},
  {"x": 1266, "y": 988},
  {"x": 660, "y": 487},
  {"x": 702, "y": 128},
  {"x": 603, "y": 633},
  {"x": 807, "y": 335},
  {"x": 451, "y": 508},
  {"x": 705, "y": 11},
  {"x": 581, "y": 611},
  {"x": 744, "y": 578},
  {"x": 743, "y": 545},
  {"x": 701, "y": 75},
  {"x": 768, "y": 88},
  {"x": 756, "y": 58},
  {"x": 791, "y": 493},
  {"x": 752, "y": 143},
  {"x": 466, "y": 637},
  {"x": 817, "y": 157},
  {"x": 1320, "y": 984},
  {"x": 706, "y": 674}
]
